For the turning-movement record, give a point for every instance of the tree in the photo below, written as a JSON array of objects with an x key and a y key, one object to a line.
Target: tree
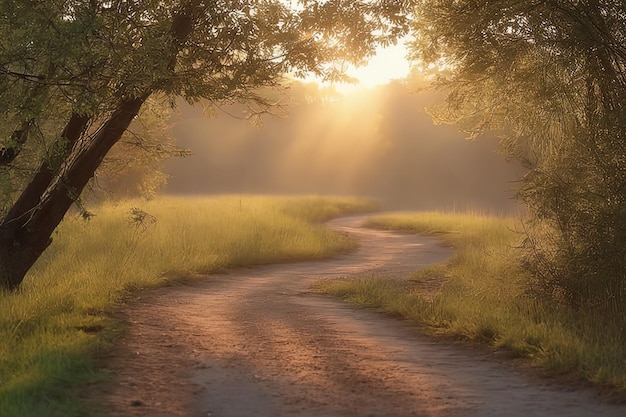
[
  {"x": 551, "y": 75},
  {"x": 75, "y": 73}
]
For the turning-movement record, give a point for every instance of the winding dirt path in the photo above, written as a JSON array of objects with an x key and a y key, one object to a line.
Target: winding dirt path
[{"x": 256, "y": 342}]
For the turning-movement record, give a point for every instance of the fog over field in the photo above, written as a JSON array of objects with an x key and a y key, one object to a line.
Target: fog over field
[{"x": 378, "y": 143}]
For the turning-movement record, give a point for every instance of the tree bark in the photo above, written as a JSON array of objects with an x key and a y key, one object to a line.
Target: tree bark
[
  {"x": 29, "y": 198},
  {"x": 26, "y": 232}
]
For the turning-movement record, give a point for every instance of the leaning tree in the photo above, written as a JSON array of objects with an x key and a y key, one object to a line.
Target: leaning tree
[{"x": 75, "y": 73}]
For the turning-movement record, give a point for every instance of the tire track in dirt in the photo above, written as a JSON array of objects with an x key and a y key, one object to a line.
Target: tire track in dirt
[{"x": 256, "y": 342}]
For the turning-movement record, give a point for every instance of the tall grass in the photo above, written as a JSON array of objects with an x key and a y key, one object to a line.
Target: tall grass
[
  {"x": 484, "y": 299},
  {"x": 52, "y": 327}
]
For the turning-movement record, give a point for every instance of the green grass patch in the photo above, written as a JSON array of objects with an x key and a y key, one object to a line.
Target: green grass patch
[
  {"x": 483, "y": 299},
  {"x": 51, "y": 329}
]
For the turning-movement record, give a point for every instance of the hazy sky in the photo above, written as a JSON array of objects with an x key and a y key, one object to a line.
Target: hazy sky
[
  {"x": 388, "y": 64},
  {"x": 378, "y": 143}
]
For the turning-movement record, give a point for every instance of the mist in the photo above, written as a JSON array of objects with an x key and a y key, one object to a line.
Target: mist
[{"x": 376, "y": 143}]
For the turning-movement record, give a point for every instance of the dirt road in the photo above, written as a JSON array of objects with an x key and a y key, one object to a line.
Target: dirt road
[{"x": 256, "y": 342}]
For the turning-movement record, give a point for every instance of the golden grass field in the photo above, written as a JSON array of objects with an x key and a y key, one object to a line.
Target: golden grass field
[
  {"x": 52, "y": 328},
  {"x": 484, "y": 299}
]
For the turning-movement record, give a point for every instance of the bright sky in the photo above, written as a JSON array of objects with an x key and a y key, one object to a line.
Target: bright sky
[{"x": 388, "y": 64}]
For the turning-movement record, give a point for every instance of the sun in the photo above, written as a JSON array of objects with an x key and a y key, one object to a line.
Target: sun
[{"x": 389, "y": 63}]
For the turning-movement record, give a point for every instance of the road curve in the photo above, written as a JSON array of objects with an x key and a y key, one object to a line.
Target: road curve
[{"x": 256, "y": 342}]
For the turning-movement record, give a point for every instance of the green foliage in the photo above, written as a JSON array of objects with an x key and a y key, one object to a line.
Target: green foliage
[
  {"x": 550, "y": 76},
  {"x": 51, "y": 329},
  {"x": 483, "y": 298},
  {"x": 77, "y": 72},
  {"x": 86, "y": 55}
]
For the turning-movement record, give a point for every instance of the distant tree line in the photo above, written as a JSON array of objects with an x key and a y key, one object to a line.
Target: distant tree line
[{"x": 377, "y": 142}]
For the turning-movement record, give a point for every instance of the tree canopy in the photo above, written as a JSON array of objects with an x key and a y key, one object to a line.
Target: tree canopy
[
  {"x": 550, "y": 75},
  {"x": 75, "y": 73}
]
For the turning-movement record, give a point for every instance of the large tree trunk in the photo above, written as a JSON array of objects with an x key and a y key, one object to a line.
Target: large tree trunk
[
  {"x": 26, "y": 231},
  {"x": 31, "y": 195}
]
